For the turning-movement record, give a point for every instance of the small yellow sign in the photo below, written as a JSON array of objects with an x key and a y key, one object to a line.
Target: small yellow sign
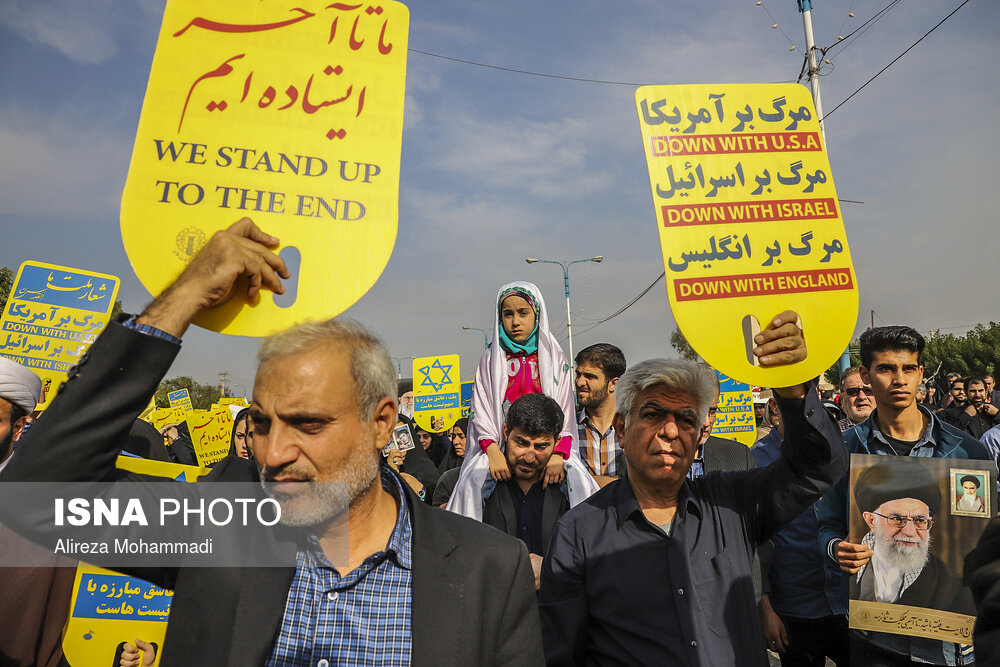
[
  {"x": 52, "y": 316},
  {"x": 211, "y": 433},
  {"x": 749, "y": 222},
  {"x": 163, "y": 416},
  {"x": 109, "y": 609},
  {"x": 240, "y": 401},
  {"x": 180, "y": 399},
  {"x": 290, "y": 113},
  {"x": 436, "y": 392},
  {"x": 734, "y": 416}
]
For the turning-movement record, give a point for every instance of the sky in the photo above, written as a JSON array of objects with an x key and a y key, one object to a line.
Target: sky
[{"x": 498, "y": 166}]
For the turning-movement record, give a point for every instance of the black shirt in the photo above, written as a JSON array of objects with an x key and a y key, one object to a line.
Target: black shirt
[
  {"x": 615, "y": 589},
  {"x": 528, "y": 508}
]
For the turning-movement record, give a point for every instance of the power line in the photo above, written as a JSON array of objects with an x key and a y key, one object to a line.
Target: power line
[
  {"x": 774, "y": 24},
  {"x": 541, "y": 74},
  {"x": 827, "y": 114},
  {"x": 843, "y": 42},
  {"x": 528, "y": 72},
  {"x": 623, "y": 308}
]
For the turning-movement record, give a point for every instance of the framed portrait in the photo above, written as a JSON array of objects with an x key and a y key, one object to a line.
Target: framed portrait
[
  {"x": 970, "y": 494},
  {"x": 920, "y": 516}
]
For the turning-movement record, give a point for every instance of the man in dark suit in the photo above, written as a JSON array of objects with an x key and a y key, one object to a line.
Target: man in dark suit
[{"x": 323, "y": 408}]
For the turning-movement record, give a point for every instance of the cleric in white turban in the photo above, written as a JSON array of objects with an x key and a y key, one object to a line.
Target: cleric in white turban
[{"x": 20, "y": 388}]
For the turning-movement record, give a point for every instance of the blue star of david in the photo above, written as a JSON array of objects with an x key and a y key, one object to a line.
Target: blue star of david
[{"x": 437, "y": 365}]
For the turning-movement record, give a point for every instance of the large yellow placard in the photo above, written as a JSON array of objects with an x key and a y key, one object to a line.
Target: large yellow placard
[
  {"x": 52, "y": 316},
  {"x": 288, "y": 113},
  {"x": 437, "y": 401},
  {"x": 749, "y": 222}
]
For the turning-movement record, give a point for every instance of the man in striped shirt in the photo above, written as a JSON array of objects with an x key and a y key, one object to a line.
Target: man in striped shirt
[{"x": 598, "y": 368}]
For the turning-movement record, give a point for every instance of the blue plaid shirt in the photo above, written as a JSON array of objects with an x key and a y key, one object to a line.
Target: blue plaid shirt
[{"x": 361, "y": 619}]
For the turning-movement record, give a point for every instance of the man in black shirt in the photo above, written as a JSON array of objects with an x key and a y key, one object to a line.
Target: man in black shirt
[
  {"x": 951, "y": 413},
  {"x": 979, "y": 415},
  {"x": 523, "y": 506},
  {"x": 655, "y": 568}
]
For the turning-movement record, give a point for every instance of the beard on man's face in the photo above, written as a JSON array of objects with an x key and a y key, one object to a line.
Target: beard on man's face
[
  {"x": 892, "y": 549},
  {"x": 317, "y": 503},
  {"x": 594, "y": 398}
]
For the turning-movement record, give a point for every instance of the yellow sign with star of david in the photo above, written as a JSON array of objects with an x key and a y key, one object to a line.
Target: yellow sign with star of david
[{"x": 437, "y": 402}]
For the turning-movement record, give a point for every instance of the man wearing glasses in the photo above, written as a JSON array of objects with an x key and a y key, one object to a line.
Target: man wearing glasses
[
  {"x": 857, "y": 399},
  {"x": 899, "y": 426},
  {"x": 898, "y": 502}
]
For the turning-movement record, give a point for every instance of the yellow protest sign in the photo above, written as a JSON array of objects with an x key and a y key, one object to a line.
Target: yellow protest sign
[
  {"x": 211, "y": 433},
  {"x": 163, "y": 416},
  {"x": 290, "y": 113},
  {"x": 146, "y": 414},
  {"x": 108, "y": 608},
  {"x": 749, "y": 222},
  {"x": 175, "y": 471},
  {"x": 734, "y": 417},
  {"x": 240, "y": 401},
  {"x": 180, "y": 398},
  {"x": 436, "y": 393},
  {"x": 52, "y": 316}
]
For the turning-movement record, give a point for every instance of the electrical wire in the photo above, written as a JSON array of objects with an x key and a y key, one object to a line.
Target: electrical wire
[
  {"x": 528, "y": 72},
  {"x": 623, "y": 308},
  {"x": 540, "y": 74},
  {"x": 861, "y": 29},
  {"x": 827, "y": 114},
  {"x": 774, "y": 22}
]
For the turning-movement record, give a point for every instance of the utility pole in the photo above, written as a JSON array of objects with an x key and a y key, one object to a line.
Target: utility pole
[
  {"x": 805, "y": 6},
  {"x": 223, "y": 376}
]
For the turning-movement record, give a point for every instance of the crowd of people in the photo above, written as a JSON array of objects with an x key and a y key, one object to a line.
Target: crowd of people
[{"x": 583, "y": 513}]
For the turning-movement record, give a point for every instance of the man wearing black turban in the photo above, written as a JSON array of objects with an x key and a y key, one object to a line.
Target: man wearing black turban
[{"x": 898, "y": 501}]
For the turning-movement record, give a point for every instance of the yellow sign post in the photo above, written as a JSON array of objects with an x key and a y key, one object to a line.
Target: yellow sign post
[
  {"x": 749, "y": 222},
  {"x": 53, "y": 314},
  {"x": 290, "y": 113},
  {"x": 436, "y": 392}
]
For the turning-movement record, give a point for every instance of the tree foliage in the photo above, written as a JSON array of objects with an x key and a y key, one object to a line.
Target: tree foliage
[
  {"x": 202, "y": 395},
  {"x": 682, "y": 346},
  {"x": 975, "y": 353}
]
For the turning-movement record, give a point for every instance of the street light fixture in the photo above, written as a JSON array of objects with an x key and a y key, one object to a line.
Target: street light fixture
[
  {"x": 486, "y": 339},
  {"x": 565, "y": 267}
]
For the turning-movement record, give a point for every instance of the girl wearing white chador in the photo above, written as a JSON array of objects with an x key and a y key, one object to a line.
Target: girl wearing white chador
[{"x": 520, "y": 361}]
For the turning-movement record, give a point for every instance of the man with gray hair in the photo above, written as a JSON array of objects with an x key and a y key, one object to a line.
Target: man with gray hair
[
  {"x": 20, "y": 388},
  {"x": 655, "y": 568},
  {"x": 324, "y": 406}
]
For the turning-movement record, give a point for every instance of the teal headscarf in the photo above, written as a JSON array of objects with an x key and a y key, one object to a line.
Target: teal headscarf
[{"x": 530, "y": 345}]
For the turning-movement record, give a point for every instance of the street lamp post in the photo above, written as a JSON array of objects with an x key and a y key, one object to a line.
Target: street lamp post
[
  {"x": 486, "y": 339},
  {"x": 399, "y": 368},
  {"x": 565, "y": 267}
]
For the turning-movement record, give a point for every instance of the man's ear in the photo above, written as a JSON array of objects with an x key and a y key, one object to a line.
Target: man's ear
[
  {"x": 505, "y": 434},
  {"x": 619, "y": 423},
  {"x": 18, "y": 429},
  {"x": 383, "y": 422},
  {"x": 865, "y": 378},
  {"x": 869, "y": 519},
  {"x": 611, "y": 386}
]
